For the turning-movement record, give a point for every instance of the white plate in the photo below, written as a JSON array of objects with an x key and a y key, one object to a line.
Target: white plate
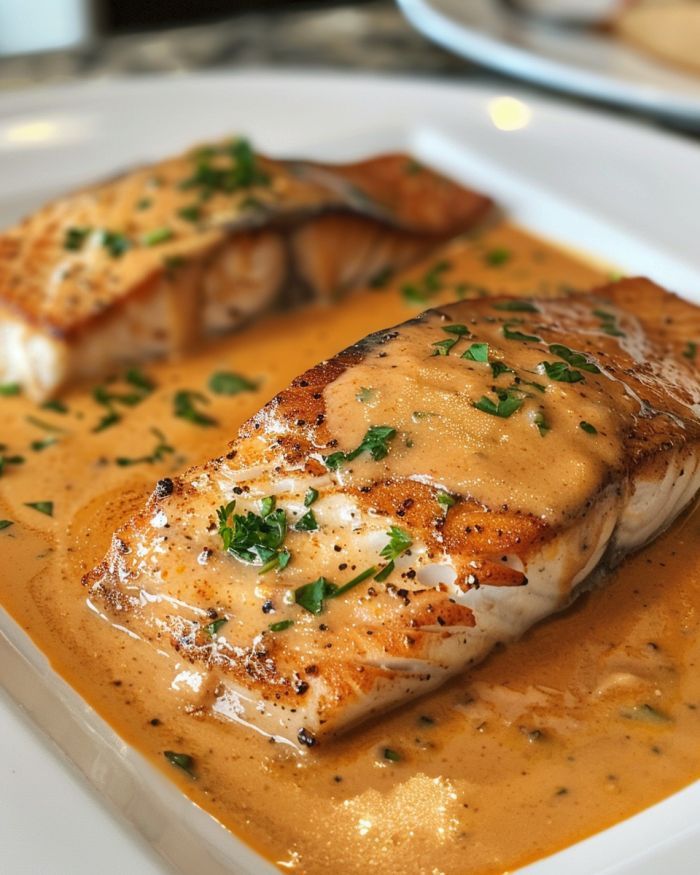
[
  {"x": 628, "y": 195},
  {"x": 565, "y": 58}
]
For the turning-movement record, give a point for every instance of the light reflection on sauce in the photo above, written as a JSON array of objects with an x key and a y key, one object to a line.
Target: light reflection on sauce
[{"x": 593, "y": 716}]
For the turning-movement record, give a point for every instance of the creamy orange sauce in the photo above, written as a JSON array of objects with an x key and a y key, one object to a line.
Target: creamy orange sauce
[{"x": 594, "y": 715}]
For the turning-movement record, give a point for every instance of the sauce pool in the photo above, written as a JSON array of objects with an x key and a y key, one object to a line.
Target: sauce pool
[{"x": 592, "y": 716}]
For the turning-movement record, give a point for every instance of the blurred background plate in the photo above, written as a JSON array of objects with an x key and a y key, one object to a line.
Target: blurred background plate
[
  {"x": 624, "y": 193},
  {"x": 570, "y": 56}
]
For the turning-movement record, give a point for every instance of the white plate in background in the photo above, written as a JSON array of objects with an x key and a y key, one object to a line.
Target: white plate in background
[
  {"x": 567, "y": 58},
  {"x": 625, "y": 194}
]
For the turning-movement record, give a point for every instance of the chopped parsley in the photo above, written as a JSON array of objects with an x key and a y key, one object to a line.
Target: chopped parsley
[
  {"x": 517, "y": 306},
  {"x": 399, "y": 542},
  {"x": 312, "y": 596},
  {"x": 608, "y": 323},
  {"x": 310, "y": 497},
  {"x": 646, "y": 713},
  {"x": 161, "y": 449},
  {"x": 181, "y": 761},
  {"x": 185, "y": 407},
  {"x": 498, "y": 256},
  {"x": 42, "y": 444},
  {"x": 55, "y": 406},
  {"x": 307, "y": 523},
  {"x": 691, "y": 350},
  {"x": 115, "y": 243},
  {"x": 381, "y": 278},
  {"x": 511, "y": 333},
  {"x": 458, "y": 329},
  {"x": 225, "y": 169},
  {"x": 498, "y": 368},
  {"x": 280, "y": 626},
  {"x": 230, "y": 383},
  {"x": 9, "y": 460},
  {"x": 256, "y": 539},
  {"x": 477, "y": 352},
  {"x": 46, "y": 426},
  {"x": 561, "y": 372},
  {"x": 429, "y": 285},
  {"x": 445, "y": 500},
  {"x": 509, "y": 401},
  {"x": 10, "y": 388},
  {"x": 365, "y": 395},
  {"x": 375, "y": 442},
  {"x": 5, "y": 524},
  {"x": 542, "y": 425},
  {"x": 190, "y": 213},
  {"x": 576, "y": 359},
  {"x": 158, "y": 235},
  {"x": 391, "y": 755},
  {"x": 144, "y": 203},
  {"x": 140, "y": 387},
  {"x": 75, "y": 238},
  {"x": 587, "y": 427},
  {"x": 212, "y": 629},
  {"x": 443, "y": 347},
  {"x": 538, "y": 386},
  {"x": 45, "y": 507}
]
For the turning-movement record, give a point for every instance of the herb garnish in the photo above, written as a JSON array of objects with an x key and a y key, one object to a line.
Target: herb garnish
[
  {"x": 55, "y": 405},
  {"x": 498, "y": 256},
  {"x": 255, "y": 539},
  {"x": 9, "y": 460},
  {"x": 45, "y": 507},
  {"x": 608, "y": 323},
  {"x": 576, "y": 359},
  {"x": 75, "y": 238},
  {"x": 280, "y": 626},
  {"x": 542, "y": 425},
  {"x": 310, "y": 497},
  {"x": 142, "y": 386},
  {"x": 307, "y": 523},
  {"x": 477, "y": 352},
  {"x": 445, "y": 500},
  {"x": 161, "y": 449},
  {"x": 191, "y": 213},
  {"x": 144, "y": 203},
  {"x": 560, "y": 372},
  {"x": 181, "y": 760},
  {"x": 158, "y": 235},
  {"x": 39, "y": 445},
  {"x": 498, "y": 368},
  {"x": 509, "y": 401},
  {"x": 230, "y": 383},
  {"x": 312, "y": 596},
  {"x": 375, "y": 442},
  {"x": 5, "y": 524},
  {"x": 399, "y": 542},
  {"x": 587, "y": 427},
  {"x": 242, "y": 170},
  {"x": 691, "y": 350},
  {"x": 212, "y": 628},
  {"x": 10, "y": 388},
  {"x": 115, "y": 243},
  {"x": 517, "y": 306},
  {"x": 426, "y": 287},
  {"x": 513, "y": 334},
  {"x": 185, "y": 401},
  {"x": 381, "y": 278}
]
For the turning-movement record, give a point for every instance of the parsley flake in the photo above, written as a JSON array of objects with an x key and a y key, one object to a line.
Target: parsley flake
[
  {"x": 560, "y": 372},
  {"x": 513, "y": 334},
  {"x": 280, "y": 626},
  {"x": 608, "y": 323},
  {"x": 185, "y": 407},
  {"x": 310, "y": 497},
  {"x": 509, "y": 401},
  {"x": 587, "y": 427},
  {"x": 5, "y": 524},
  {"x": 497, "y": 257},
  {"x": 307, "y": 523},
  {"x": 399, "y": 542},
  {"x": 212, "y": 628},
  {"x": 45, "y": 507},
  {"x": 477, "y": 352},
  {"x": 255, "y": 539},
  {"x": 181, "y": 761},
  {"x": 230, "y": 383},
  {"x": 517, "y": 306},
  {"x": 375, "y": 442},
  {"x": 576, "y": 359}
]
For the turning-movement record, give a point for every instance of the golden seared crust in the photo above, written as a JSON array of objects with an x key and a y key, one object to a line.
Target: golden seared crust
[
  {"x": 402, "y": 629},
  {"x": 87, "y": 253}
]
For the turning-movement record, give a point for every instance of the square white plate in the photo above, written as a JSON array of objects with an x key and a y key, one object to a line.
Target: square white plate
[{"x": 625, "y": 194}]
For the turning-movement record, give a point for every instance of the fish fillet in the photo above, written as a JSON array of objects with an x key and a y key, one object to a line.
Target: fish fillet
[
  {"x": 146, "y": 265},
  {"x": 403, "y": 507}
]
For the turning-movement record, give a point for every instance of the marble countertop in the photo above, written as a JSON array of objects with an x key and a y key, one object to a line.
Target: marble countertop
[{"x": 371, "y": 37}]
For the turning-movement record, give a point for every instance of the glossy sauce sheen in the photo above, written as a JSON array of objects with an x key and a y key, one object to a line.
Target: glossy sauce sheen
[{"x": 594, "y": 715}]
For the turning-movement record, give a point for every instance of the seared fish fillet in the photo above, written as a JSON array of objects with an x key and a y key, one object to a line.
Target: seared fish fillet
[
  {"x": 439, "y": 487},
  {"x": 145, "y": 265}
]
